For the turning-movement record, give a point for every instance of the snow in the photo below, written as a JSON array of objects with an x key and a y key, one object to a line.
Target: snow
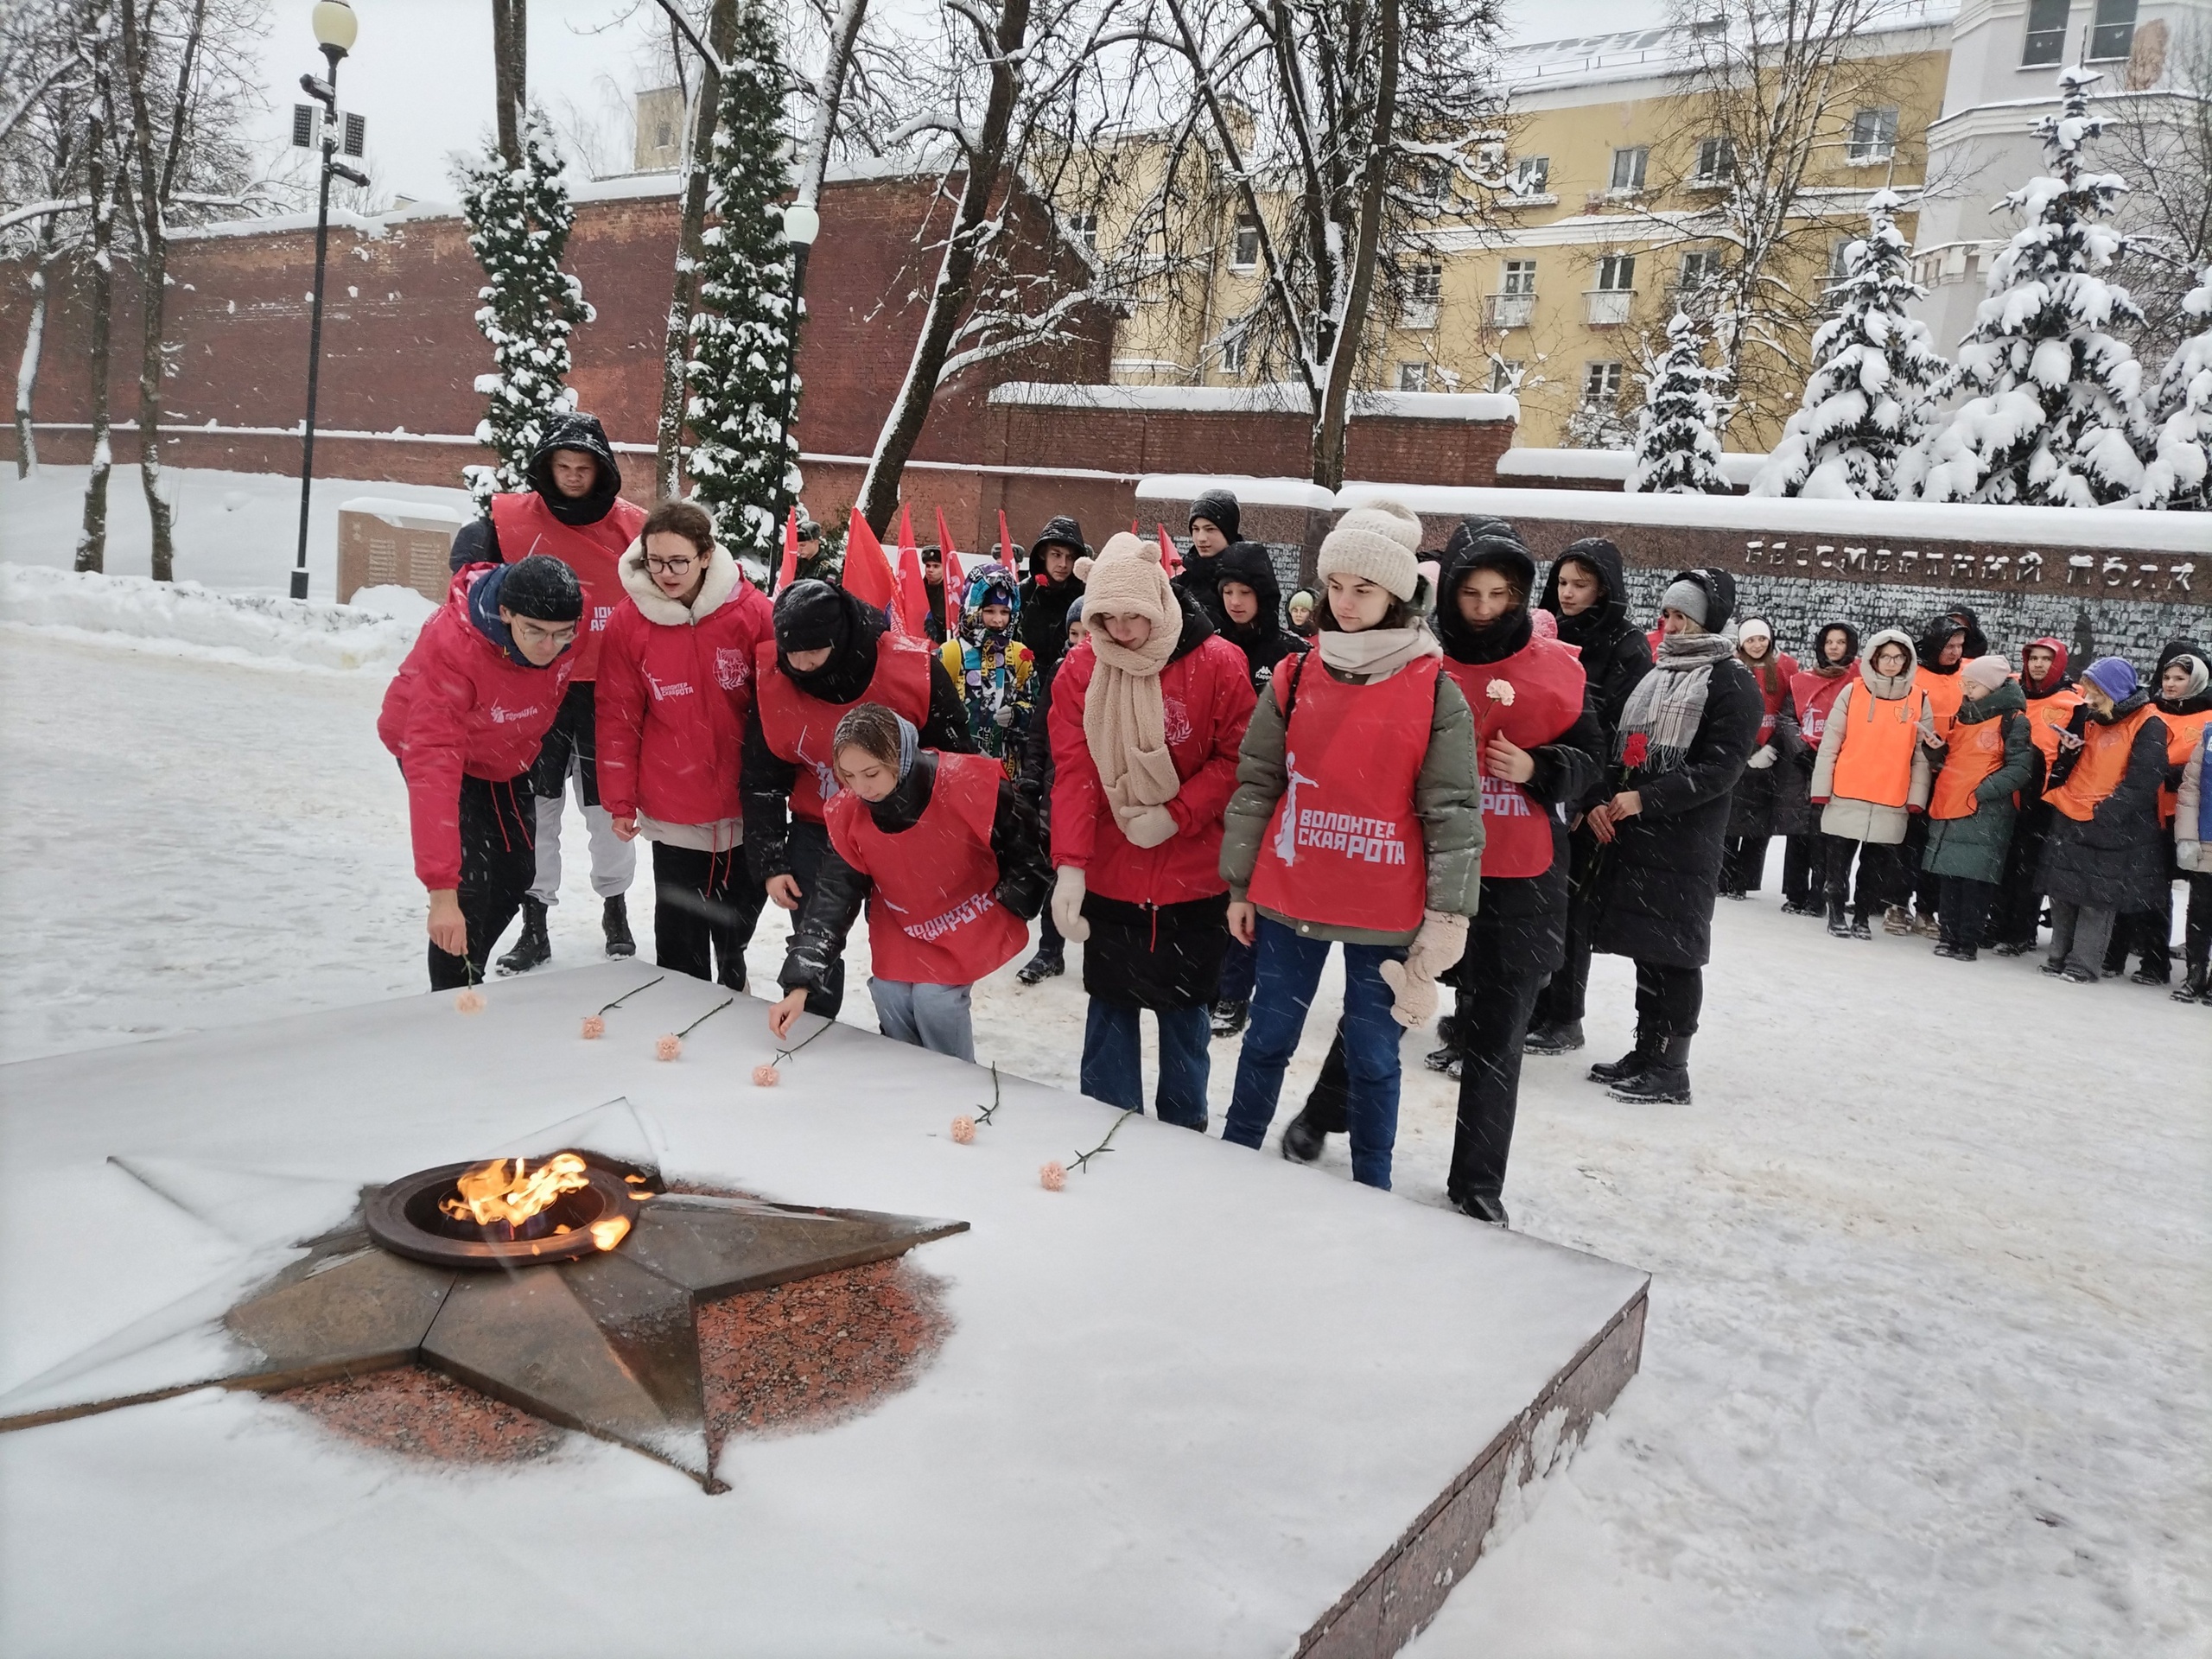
[
  {"x": 1248, "y": 492},
  {"x": 1605, "y": 465},
  {"x": 1277, "y": 396},
  {"x": 1926, "y": 1366}
]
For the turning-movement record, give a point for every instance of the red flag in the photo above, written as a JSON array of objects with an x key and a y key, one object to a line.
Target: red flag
[
  {"x": 1170, "y": 560},
  {"x": 789, "y": 574},
  {"x": 956, "y": 579},
  {"x": 867, "y": 573},
  {"x": 1006, "y": 547},
  {"x": 1133, "y": 531},
  {"x": 913, "y": 594}
]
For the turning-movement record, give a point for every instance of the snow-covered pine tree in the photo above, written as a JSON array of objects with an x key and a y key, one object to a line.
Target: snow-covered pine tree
[
  {"x": 746, "y": 461},
  {"x": 1877, "y": 378},
  {"x": 518, "y": 225},
  {"x": 2056, "y": 394},
  {"x": 1677, "y": 441},
  {"x": 2179, "y": 473}
]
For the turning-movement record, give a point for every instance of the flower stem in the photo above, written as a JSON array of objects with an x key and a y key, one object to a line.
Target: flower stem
[
  {"x": 984, "y": 1116},
  {"x": 786, "y": 1053},
  {"x": 1083, "y": 1159},
  {"x": 708, "y": 1016},
  {"x": 627, "y": 996}
]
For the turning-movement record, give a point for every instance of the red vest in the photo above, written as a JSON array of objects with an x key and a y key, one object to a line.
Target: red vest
[
  {"x": 931, "y": 920},
  {"x": 799, "y": 727},
  {"x": 1344, "y": 847},
  {"x": 1545, "y": 682},
  {"x": 1815, "y": 695},
  {"x": 526, "y": 525}
]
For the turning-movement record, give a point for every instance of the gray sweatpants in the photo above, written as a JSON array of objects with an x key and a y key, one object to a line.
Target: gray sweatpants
[
  {"x": 2079, "y": 935},
  {"x": 614, "y": 861},
  {"x": 934, "y": 1017}
]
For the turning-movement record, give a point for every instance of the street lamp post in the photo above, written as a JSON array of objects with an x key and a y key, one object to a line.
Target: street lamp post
[
  {"x": 335, "y": 27},
  {"x": 801, "y": 226}
]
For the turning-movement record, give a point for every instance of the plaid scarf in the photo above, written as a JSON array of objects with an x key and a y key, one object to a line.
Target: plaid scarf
[{"x": 1668, "y": 704}]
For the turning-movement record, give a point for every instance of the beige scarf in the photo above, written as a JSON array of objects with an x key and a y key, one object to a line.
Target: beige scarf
[
  {"x": 1377, "y": 653},
  {"x": 1125, "y": 722}
]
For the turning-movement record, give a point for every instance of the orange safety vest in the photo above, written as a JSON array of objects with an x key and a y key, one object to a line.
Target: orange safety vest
[
  {"x": 2102, "y": 764},
  {"x": 1875, "y": 762},
  {"x": 2182, "y": 734},
  {"x": 1975, "y": 751},
  {"x": 2047, "y": 717},
  {"x": 1944, "y": 692}
]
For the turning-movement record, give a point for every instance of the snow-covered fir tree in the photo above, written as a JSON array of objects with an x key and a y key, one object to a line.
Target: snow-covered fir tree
[
  {"x": 2179, "y": 472},
  {"x": 746, "y": 461},
  {"x": 1873, "y": 397},
  {"x": 1677, "y": 431},
  {"x": 518, "y": 222},
  {"x": 2055, "y": 393}
]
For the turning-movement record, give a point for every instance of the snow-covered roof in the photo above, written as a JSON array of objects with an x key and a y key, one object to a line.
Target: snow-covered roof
[
  {"x": 1268, "y": 397},
  {"x": 1659, "y": 48},
  {"x": 395, "y": 511},
  {"x": 1249, "y": 492},
  {"x": 1608, "y": 465}
]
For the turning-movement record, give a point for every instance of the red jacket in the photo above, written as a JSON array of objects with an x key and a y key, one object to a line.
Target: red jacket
[
  {"x": 461, "y": 705},
  {"x": 675, "y": 687},
  {"x": 1208, "y": 696}
]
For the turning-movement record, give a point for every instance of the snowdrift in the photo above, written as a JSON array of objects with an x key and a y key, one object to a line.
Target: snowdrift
[{"x": 186, "y": 620}]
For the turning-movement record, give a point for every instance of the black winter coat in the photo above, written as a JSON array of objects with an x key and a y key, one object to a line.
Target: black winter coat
[
  {"x": 2117, "y": 859},
  {"x": 477, "y": 542},
  {"x": 1656, "y": 881},
  {"x": 1615, "y": 653}
]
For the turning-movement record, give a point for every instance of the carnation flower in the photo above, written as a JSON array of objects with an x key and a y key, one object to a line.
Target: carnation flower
[
  {"x": 667, "y": 1045},
  {"x": 1500, "y": 691},
  {"x": 470, "y": 1001},
  {"x": 964, "y": 1129},
  {"x": 1633, "y": 750},
  {"x": 766, "y": 1076},
  {"x": 1053, "y": 1176},
  {"x": 595, "y": 1028}
]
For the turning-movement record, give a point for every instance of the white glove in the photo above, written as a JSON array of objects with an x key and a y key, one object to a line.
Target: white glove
[
  {"x": 1067, "y": 905},
  {"x": 1003, "y": 719},
  {"x": 1436, "y": 950},
  {"x": 1762, "y": 758},
  {"x": 1145, "y": 826}
]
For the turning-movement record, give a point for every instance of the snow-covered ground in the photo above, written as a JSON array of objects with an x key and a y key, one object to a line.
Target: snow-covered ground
[{"x": 1928, "y": 1368}]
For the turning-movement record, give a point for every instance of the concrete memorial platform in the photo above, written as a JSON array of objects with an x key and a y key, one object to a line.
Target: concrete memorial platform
[{"x": 1198, "y": 1401}]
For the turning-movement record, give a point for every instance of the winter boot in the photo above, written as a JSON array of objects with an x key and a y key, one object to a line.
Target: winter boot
[
  {"x": 1928, "y": 924},
  {"x": 1302, "y": 1141},
  {"x": 1229, "y": 1018},
  {"x": 614, "y": 921},
  {"x": 1897, "y": 919},
  {"x": 1446, "y": 1060},
  {"x": 1562, "y": 1038},
  {"x": 2195, "y": 987},
  {"x": 2014, "y": 948},
  {"x": 2148, "y": 975},
  {"x": 1839, "y": 923},
  {"x": 1665, "y": 1082},
  {"x": 533, "y": 948},
  {"x": 1860, "y": 928},
  {"x": 1483, "y": 1206},
  {"x": 1047, "y": 963},
  {"x": 1638, "y": 1059}
]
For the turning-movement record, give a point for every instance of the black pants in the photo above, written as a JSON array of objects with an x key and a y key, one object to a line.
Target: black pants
[
  {"x": 1926, "y": 889},
  {"x": 1667, "y": 1001},
  {"x": 1805, "y": 873},
  {"x": 1742, "y": 863},
  {"x": 2018, "y": 912},
  {"x": 1879, "y": 883},
  {"x": 1964, "y": 918},
  {"x": 810, "y": 844},
  {"x": 1561, "y": 1002},
  {"x": 498, "y": 860},
  {"x": 1493, "y": 1020},
  {"x": 574, "y": 736},
  {"x": 705, "y": 908},
  {"x": 2196, "y": 943}
]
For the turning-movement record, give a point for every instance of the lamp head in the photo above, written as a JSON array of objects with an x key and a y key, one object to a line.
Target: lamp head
[
  {"x": 801, "y": 225},
  {"x": 335, "y": 27}
]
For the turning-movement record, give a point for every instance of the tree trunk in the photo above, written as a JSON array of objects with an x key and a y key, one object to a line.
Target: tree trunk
[
  {"x": 830, "y": 95},
  {"x": 1343, "y": 353},
  {"x": 153, "y": 236},
  {"x": 92, "y": 540},
  {"x": 26, "y": 366},
  {"x": 956, "y": 274},
  {"x": 676, "y": 341},
  {"x": 511, "y": 75}
]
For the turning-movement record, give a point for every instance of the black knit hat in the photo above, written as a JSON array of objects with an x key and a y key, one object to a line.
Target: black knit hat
[
  {"x": 542, "y": 588},
  {"x": 1219, "y": 509}
]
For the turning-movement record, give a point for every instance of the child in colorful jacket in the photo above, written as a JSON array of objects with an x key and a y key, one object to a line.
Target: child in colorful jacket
[{"x": 994, "y": 669}]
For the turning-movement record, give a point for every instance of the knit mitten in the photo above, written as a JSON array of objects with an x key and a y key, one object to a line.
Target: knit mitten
[
  {"x": 1145, "y": 826},
  {"x": 1435, "y": 950},
  {"x": 1067, "y": 905}
]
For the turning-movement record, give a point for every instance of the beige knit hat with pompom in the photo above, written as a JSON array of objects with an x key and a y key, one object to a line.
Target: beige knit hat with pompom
[{"x": 1376, "y": 541}]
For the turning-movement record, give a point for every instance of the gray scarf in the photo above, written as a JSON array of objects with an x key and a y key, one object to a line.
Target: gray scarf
[{"x": 1668, "y": 704}]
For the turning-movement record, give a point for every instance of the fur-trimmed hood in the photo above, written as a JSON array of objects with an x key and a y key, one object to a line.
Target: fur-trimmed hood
[{"x": 721, "y": 580}]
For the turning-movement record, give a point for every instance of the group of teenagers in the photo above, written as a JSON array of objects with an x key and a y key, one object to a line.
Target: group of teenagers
[
  {"x": 1460, "y": 776},
  {"x": 1971, "y": 797}
]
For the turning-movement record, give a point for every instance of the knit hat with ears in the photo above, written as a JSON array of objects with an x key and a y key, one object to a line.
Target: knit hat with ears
[
  {"x": 1377, "y": 543},
  {"x": 1987, "y": 673},
  {"x": 1127, "y": 578}
]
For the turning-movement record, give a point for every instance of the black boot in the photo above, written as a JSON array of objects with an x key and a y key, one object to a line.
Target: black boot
[
  {"x": 1446, "y": 1060},
  {"x": 1562, "y": 1038},
  {"x": 1047, "y": 963},
  {"x": 1632, "y": 1063},
  {"x": 1229, "y": 1018},
  {"x": 1839, "y": 923},
  {"x": 2196, "y": 986},
  {"x": 1483, "y": 1206},
  {"x": 1303, "y": 1140},
  {"x": 1666, "y": 1081},
  {"x": 615, "y": 920},
  {"x": 533, "y": 948}
]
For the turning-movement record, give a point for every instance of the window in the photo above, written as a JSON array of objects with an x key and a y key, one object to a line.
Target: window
[
  {"x": 2112, "y": 30},
  {"x": 1716, "y": 161},
  {"x": 1839, "y": 258},
  {"x": 1432, "y": 180},
  {"x": 1232, "y": 353},
  {"x": 663, "y": 135},
  {"x": 1873, "y": 134},
  {"x": 1246, "y": 252},
  {"x": 1628, "y": 168},
  {"x": 1505, "y": 374},
  {"x": 1424, "y": 289},
  {"x": 1700, "y": 268},
  {"x": 1617, "y": 272},
  {"x": 1520, "y": 276},
  {"x": 1530, "y": 175},
  {"x": 1511, "y": 306},
  {"x": 1083, "y": 226},
  {"x": 2046, "y": 39},
  {"x": 1413, "y": 377},
  {"x": 1601, "y": 384}
]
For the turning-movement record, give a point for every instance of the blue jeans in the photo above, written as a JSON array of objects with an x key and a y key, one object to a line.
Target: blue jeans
[
  {"x": 1113, "y": 1066},
  {"x": 1238, "y": 968},
  {"x": 937, "y": 1017},
  {"x": 1289, "y": 972}
]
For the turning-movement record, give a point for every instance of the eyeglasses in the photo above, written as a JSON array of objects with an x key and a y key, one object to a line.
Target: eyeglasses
[
  {"x": 676, "y": 567},
  {"x": 539, "y": 633}
]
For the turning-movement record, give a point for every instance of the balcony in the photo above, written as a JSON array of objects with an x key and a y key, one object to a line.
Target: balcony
[
  {"x": 1511, "y": 311},
  {"x": 1607, "y": 308},
  {"x": 1417, "y": 315}
]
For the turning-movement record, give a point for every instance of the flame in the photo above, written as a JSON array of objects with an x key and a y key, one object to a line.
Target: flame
[
  {"x": 489, "y": 1193},
  {"x": 609, "y": 1233}
]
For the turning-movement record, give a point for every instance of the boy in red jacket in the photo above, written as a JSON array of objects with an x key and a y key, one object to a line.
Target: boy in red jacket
[{"x": 465, "y": 715}]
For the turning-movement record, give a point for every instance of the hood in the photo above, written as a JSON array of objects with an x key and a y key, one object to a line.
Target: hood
[
  {"x": 2197, "y": 695},
  {"x": 721, "y": 580},
  {"x": 574, "y": 430},
  {"x": 1887, "y": 686},
  {"x": 1197, "y": 627},
  {"x": 1067, "y": 533},
  {"x": 989, "y": 584},
  {"x": 2006, "y": 699},
  {"x": 1609, "y": 614},
  {"x": 2059, "y": 679},
  {"x": 475, "y": 594},
  {"x": 1250, "y": 563},
  {"x": 812, "y": 614},
  {"x": 1219, "y": 507},
  {"x": 1482, "y": 544},
  {"x": 2174, "y": 648},
  {"x": 1719, "y": 590},
  {"x": 1819, "y": 664},
  {"x": 1957, "y": 620}
]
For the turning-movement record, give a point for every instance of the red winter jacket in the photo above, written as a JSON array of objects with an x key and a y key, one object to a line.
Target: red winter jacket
[
  {"x": 1207, "y": 692},
  {"x": 675, "y": 687},
  {"x": 461, "y": 705}
]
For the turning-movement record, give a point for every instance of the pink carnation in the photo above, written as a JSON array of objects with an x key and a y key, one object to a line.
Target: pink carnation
[
  {"x": 1053, "y": 1176},
  {"x": 595, "y": 1028},
  {"x": 1500, "y": 691},
  {"x": 667, "y": 1045},
  {"x": 766, "y": 1076},
  {"x": 964, "y": 1129},
  {"x": 470, "y": 1002}
]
